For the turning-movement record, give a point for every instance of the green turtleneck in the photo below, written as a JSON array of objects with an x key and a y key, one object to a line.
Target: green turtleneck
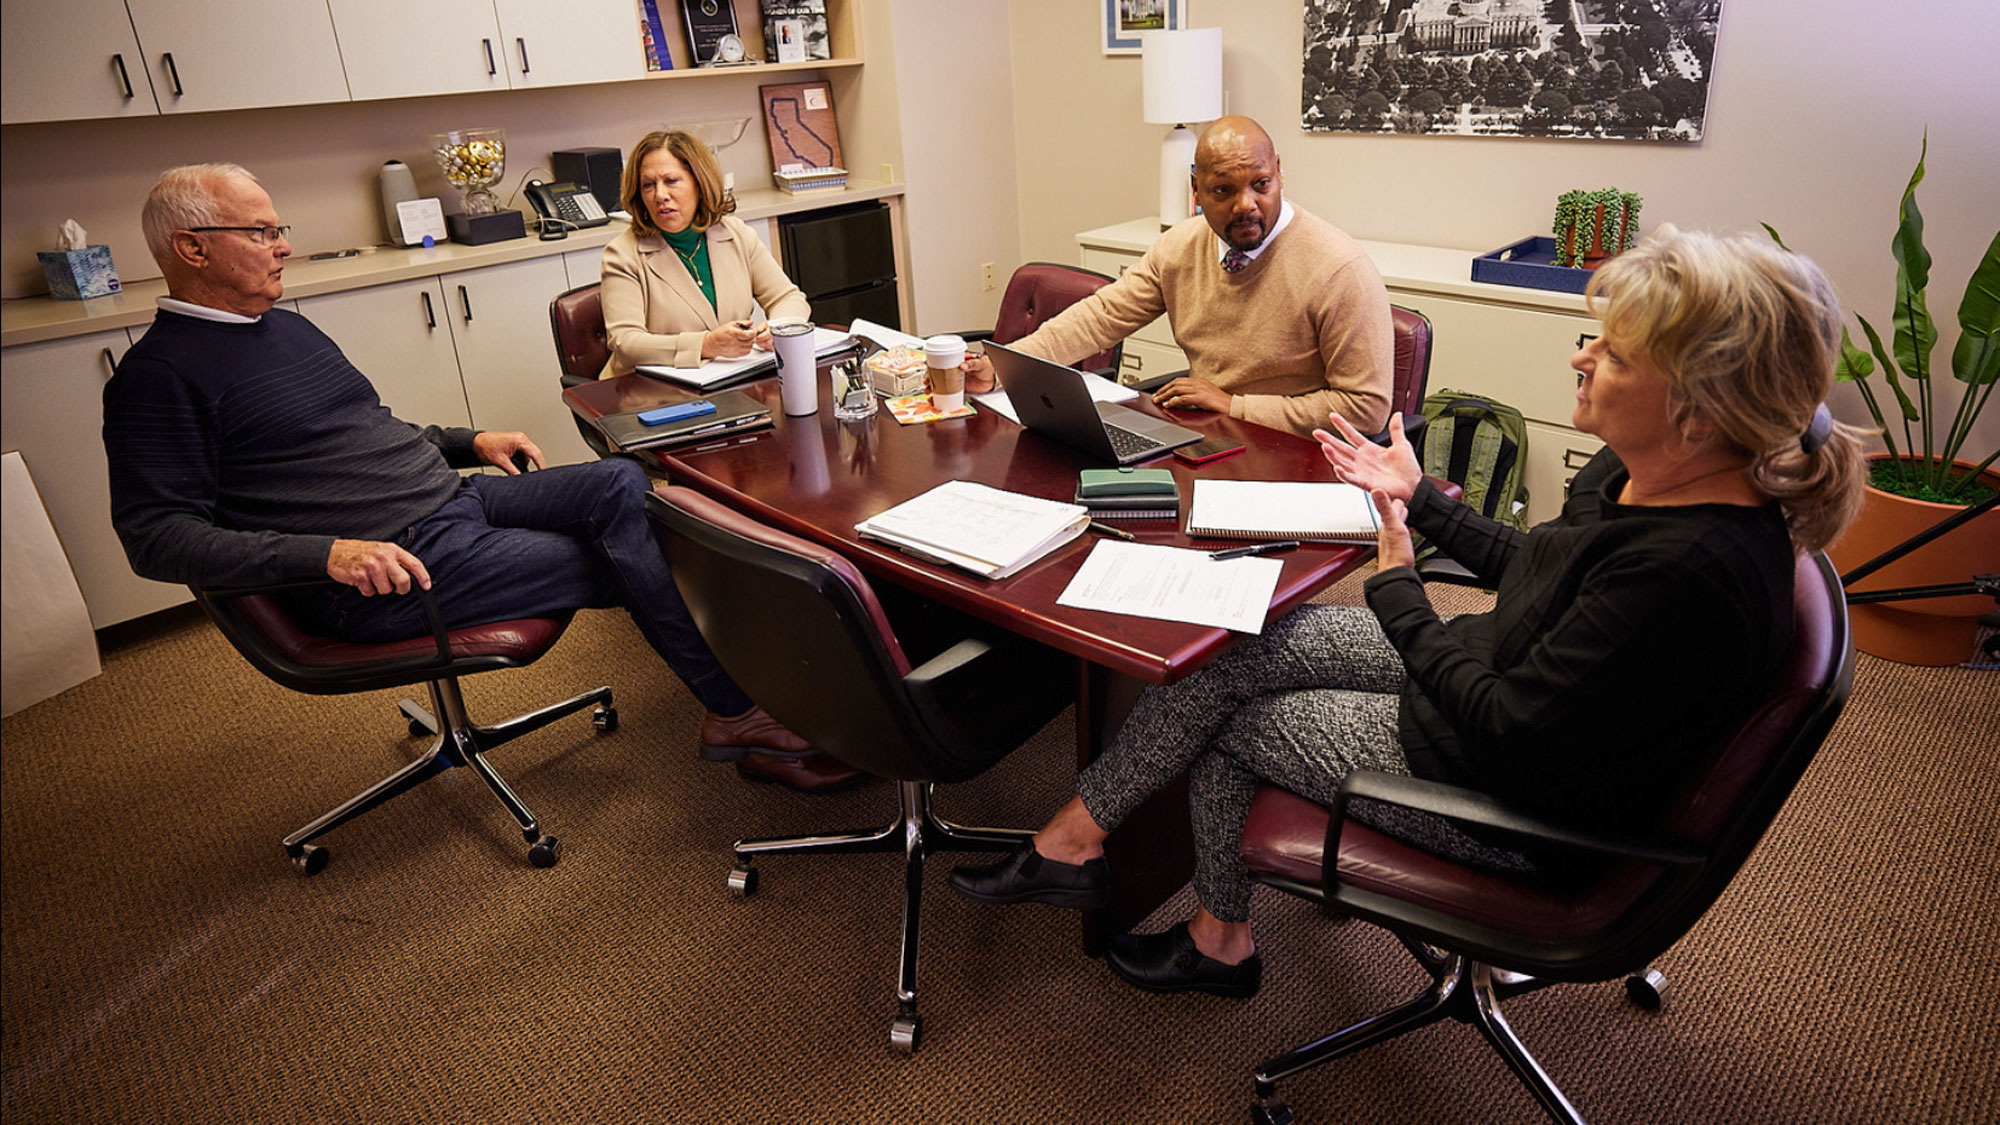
[{"x": 691, "y": 247}]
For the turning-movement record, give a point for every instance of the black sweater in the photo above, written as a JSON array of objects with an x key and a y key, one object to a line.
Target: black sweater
[
  {"x": 240, "y": 452},
  {"x": 1622, "y": 639}
]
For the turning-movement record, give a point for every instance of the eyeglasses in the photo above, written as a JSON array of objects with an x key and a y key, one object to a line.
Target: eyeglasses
[{"x": 262, "y": 236}]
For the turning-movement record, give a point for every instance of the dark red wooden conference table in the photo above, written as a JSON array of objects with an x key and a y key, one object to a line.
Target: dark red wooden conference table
[{"x": 817, "y": 477}]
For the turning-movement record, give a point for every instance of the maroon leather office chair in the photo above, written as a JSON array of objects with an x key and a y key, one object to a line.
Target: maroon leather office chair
[
  {"x": 1412, "y": 372},
  {"x": 259, "y": 624},
  {"x": 799, "y": 628},
  {"x": 582, "y": 349},
  {"x": 1035, "y": 294},
  {"x": 1485, "y": 936}
]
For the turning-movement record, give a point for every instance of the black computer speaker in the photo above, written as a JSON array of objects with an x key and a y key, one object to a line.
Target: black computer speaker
[{"x": 597, "y": 168}]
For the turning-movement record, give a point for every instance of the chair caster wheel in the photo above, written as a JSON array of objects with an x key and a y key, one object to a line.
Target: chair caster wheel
[
  {"x": 419, "y": 728},
  {"x": 605, "y": 719},
  {"x": 905, "y": 1033},
  {"x": 546, "y": 852},
  {"x": 1647, "y": 989},
  {"x": 743, "y": 880},
  {"x": 1271, "y": 1111},
  {"x": 308, "y": 858}
]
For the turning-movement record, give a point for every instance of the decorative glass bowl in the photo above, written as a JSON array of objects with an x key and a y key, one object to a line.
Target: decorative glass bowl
[{"x": 472, "y": 161}]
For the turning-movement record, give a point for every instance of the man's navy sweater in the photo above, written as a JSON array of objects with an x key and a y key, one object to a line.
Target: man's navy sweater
[{"x": 240, "y": 452}]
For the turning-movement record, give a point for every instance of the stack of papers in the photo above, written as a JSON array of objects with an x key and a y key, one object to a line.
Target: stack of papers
[
  {"x": 987, "y": 531},
  {"x": 720, "y": 372}
]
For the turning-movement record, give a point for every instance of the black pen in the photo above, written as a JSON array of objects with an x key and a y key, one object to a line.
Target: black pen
[
  {"x": 1259, "y": 549},
  {"x": 1114, "y": 532}
]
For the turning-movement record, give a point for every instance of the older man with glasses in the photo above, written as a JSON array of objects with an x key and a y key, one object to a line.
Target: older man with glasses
[{"x": 246, "y": 449}]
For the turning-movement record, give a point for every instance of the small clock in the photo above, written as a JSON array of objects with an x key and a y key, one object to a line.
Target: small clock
[{"x": 729, "y": 49}]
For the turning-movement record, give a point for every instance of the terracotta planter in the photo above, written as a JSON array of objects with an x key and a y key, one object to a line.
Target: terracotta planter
[{"x": 1932, "y": 631}]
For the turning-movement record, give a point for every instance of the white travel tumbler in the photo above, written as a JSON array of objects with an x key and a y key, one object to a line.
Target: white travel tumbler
[{"x": 798, "y": 370}]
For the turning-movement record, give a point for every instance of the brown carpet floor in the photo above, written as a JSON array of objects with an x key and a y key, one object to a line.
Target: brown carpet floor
[{"x": 163, "y": 963}]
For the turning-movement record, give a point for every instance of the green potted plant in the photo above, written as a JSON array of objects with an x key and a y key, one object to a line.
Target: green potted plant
[
  {"x": 1591, "y": 226},
  {"x": 1923, "y": 480}
]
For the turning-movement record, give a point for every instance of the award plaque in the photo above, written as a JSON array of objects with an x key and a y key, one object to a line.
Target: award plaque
[{"x": 709, "y": 24}]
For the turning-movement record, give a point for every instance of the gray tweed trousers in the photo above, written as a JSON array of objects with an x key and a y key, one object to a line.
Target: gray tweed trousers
[{"x": 1311, "y": 699}]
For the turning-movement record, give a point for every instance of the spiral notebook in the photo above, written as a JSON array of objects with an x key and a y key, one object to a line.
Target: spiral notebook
[{"x": 1273, "y": 509}]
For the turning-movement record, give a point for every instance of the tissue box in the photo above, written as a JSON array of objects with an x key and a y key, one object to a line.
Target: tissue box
[
  {"x": 896, "y": 372},
  {"x": 77, "y": 275}
]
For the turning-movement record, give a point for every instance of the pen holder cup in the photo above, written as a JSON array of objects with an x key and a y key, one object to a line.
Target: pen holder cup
[{"x": 78, "y": 275}]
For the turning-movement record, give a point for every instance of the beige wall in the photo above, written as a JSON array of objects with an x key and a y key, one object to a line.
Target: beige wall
[
  {"x": 1815, "y": 116},
  {"x": 953, "y": 79}
]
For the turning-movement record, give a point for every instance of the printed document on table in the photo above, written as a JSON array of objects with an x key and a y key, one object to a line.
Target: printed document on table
[
  {"x": 1175, "y": 584},
  {"x": 826, "y": 341},
  {"x": 985, "y": 530},
  {"x": 1101, "y": 390}
]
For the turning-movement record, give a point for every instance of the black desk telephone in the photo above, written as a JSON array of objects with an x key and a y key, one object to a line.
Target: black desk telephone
[{"x": 566, "y": 203}]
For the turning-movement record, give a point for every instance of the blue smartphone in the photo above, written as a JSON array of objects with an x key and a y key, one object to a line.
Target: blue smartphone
[{"x": 675, "y": 413}]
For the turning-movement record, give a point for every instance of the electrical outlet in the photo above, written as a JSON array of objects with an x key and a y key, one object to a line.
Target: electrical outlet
[{"x": 986, "y": 276}]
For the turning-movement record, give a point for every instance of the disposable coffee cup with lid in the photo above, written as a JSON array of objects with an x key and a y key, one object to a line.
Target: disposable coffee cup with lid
[{"x": 944, "y": 374}]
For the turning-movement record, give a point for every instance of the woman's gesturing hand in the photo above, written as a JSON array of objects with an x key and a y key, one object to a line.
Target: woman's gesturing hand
[
  {"x": 1362, "y": 463},
  {"x": 1393, "y": 546}
]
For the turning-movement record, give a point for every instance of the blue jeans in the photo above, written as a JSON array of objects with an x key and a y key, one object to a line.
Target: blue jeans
[{"x": 570, "y": 537}]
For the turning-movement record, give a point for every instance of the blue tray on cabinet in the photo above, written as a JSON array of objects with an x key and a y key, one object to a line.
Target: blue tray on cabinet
[{"x": 1530, "y": 263}]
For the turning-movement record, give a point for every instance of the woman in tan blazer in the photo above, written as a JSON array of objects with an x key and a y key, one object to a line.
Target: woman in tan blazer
[{"x": 683, "y": 284}]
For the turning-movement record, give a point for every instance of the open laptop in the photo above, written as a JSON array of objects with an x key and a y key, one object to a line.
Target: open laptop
[{"x": 1052, "y": 401}]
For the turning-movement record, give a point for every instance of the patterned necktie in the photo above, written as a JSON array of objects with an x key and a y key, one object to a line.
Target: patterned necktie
[{"x": 1235, "y": 260}]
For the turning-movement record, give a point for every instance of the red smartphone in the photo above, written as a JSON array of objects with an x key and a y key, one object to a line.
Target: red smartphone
[{"x": 1208, "y": 449}]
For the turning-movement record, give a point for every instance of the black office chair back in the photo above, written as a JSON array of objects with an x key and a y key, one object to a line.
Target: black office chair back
[
  {"x": 799, "y": 629},
  {"x": 1617, "y": 922}
]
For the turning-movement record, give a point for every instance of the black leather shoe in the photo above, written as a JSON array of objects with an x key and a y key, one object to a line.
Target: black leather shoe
[
  {"x": 1169, "y": 962},
  {"x": 1025, "y": 875}
]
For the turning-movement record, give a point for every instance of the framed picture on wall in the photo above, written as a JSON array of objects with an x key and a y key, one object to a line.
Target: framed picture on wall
[{"x": 1125, "y": 19}]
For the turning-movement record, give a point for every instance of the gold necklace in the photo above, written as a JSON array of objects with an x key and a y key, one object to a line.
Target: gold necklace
[{"x": 689, "y": 259}]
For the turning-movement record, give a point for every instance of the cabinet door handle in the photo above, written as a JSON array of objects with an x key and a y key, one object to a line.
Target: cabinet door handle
[
  {"x": 1583, "y": 338},
  {"x": 430, "y": 315},
  {"x": 521, "y": 45},
  {"x": 124, "y": 78},
  {"x": 173, "y": 71},
  {"x": 491, "y": 70},
  {"x": 466, "y": 300},
  {"x": 110, "y": 362},
  {"x": 1574, "y": 459}
]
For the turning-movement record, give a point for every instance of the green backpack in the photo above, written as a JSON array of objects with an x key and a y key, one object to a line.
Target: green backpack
[{"x": 1482, "y": 446}]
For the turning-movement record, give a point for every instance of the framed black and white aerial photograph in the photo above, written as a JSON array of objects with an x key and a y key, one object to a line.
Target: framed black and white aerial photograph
[
  {"x": 1578, "y": 69},
  {"x": 1125, "y": 19}
]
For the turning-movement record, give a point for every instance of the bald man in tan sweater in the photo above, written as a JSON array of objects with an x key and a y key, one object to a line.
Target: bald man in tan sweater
[{"x": 1283, "y": 318}]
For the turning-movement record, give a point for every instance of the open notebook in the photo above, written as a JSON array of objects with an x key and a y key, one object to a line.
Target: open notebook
[
  {"x": 723, "y": 372},
  {"x": 1275, "y": 509}
]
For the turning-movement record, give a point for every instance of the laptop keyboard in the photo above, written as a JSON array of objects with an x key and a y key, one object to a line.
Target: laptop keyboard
[{"x": 1125, "y": 443}]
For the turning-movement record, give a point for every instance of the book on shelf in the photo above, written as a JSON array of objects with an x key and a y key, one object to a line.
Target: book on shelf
[
  {"x": 810, "y": 179},
  {"x": 1272, "y": 509},
  {"x": 987, "y": 531},
  {"x": 735, "y": 412},
  {"x": 795, "y": 31},
  {"x": 653, "y": 36},
  {"x": 799, "y": 123}
]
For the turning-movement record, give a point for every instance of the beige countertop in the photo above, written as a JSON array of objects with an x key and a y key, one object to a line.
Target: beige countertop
[
  {"x": 28, "y": 320},
  {"x": 1429, "y": 269}
]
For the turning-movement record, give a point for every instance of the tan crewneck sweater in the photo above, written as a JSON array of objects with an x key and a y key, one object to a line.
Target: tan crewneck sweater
[{"x": 1302, "y": 331}]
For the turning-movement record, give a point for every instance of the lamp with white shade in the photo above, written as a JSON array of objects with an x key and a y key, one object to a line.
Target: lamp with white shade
[{"x": 1182, "y": 81}]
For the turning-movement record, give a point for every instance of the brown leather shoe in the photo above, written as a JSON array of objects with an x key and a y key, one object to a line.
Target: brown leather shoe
[
  {"x": 729, "y": 739},
  {"x": 807, "y": 773}
]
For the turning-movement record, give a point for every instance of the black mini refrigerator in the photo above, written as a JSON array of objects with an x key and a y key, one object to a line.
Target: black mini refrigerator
[{"x": 844, "y": 258}]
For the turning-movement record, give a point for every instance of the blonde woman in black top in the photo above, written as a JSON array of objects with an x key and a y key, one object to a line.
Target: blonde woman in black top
[{"x": 1654, "y": 606}]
